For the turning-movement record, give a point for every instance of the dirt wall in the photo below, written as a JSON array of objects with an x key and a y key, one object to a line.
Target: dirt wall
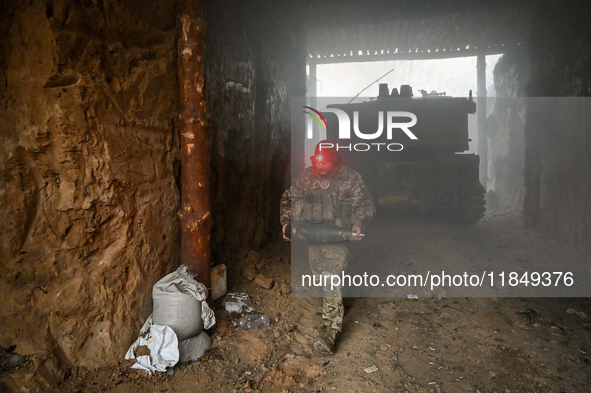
[
  {"x": 540, "y": 160},
  {"x": 255, "y": 64},
  {"x": 558, "y": 159},
  {"x": 506, "y": 139},
  {"x": 89, "y": 200}
]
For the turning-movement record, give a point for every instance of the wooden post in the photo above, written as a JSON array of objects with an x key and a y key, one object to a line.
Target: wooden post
[
  {"x": 481, "y": 118},
  {"x": 195, "y": 145}
]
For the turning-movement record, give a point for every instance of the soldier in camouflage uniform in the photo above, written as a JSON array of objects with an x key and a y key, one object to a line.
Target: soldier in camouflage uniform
[{"x": 328, "y": 192}]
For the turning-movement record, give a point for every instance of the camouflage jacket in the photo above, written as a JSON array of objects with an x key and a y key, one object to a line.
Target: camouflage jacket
[{"x": 351, "y": 189}]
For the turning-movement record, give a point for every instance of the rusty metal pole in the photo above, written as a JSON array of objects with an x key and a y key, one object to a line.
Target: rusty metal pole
[{"x": 195, "y": 154}]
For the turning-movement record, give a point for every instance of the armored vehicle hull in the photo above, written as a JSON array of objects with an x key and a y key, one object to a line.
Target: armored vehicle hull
[{"x": 412, "y": 152}]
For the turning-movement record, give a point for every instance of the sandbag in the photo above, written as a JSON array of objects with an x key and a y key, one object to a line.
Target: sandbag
[
  {"x": 179, "y": 302},
  {"x": 194, "y": 348}
]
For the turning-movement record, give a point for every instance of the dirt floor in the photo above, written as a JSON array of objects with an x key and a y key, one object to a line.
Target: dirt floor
[{"x": 388, "y": 344}]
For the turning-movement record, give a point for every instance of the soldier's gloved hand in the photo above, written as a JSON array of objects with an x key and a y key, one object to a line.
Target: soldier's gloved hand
[
  {"x": 283, "y": 229},
  {"x": 356, "y": 231}
]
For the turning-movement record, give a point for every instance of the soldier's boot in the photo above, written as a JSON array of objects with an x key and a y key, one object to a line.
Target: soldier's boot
[{"x": 326, "y": 340}]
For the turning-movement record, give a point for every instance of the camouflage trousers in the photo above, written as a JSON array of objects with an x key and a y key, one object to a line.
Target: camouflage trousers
[{"x": 329, "y": 259}]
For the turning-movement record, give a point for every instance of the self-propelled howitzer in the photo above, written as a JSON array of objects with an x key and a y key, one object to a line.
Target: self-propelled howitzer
[{"x": 412, "y": 151}]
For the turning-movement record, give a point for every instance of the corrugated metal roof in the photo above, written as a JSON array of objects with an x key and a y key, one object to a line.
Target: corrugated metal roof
[{"x": 450, "y": 34}]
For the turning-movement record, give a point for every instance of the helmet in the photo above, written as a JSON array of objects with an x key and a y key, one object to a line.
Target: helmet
[{"x": 326, "y": 151}]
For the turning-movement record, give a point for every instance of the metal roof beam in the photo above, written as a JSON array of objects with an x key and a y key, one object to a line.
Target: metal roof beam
[{"x": 433, "y": 55}]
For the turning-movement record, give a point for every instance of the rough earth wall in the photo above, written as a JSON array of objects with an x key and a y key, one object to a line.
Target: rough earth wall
[
  {"x": 558, "y": 158},
  {"x": 255, "y": 64},
  {"x": 88, "y": 220},
  {"x": 506, "y": 139}
]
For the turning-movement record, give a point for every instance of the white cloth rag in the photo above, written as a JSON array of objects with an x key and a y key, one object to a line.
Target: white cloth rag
[{"x": 163, "y": 345}]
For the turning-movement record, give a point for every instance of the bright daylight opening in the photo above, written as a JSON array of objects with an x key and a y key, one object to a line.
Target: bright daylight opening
[{"x": 456, "y": 76}]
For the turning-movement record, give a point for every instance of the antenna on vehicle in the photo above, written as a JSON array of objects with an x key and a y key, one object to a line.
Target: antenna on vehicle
[{"x": 370, "y": 85}]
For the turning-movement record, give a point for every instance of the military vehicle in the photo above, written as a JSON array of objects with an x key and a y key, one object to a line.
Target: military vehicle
[{"x": 412, "y": 151}]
